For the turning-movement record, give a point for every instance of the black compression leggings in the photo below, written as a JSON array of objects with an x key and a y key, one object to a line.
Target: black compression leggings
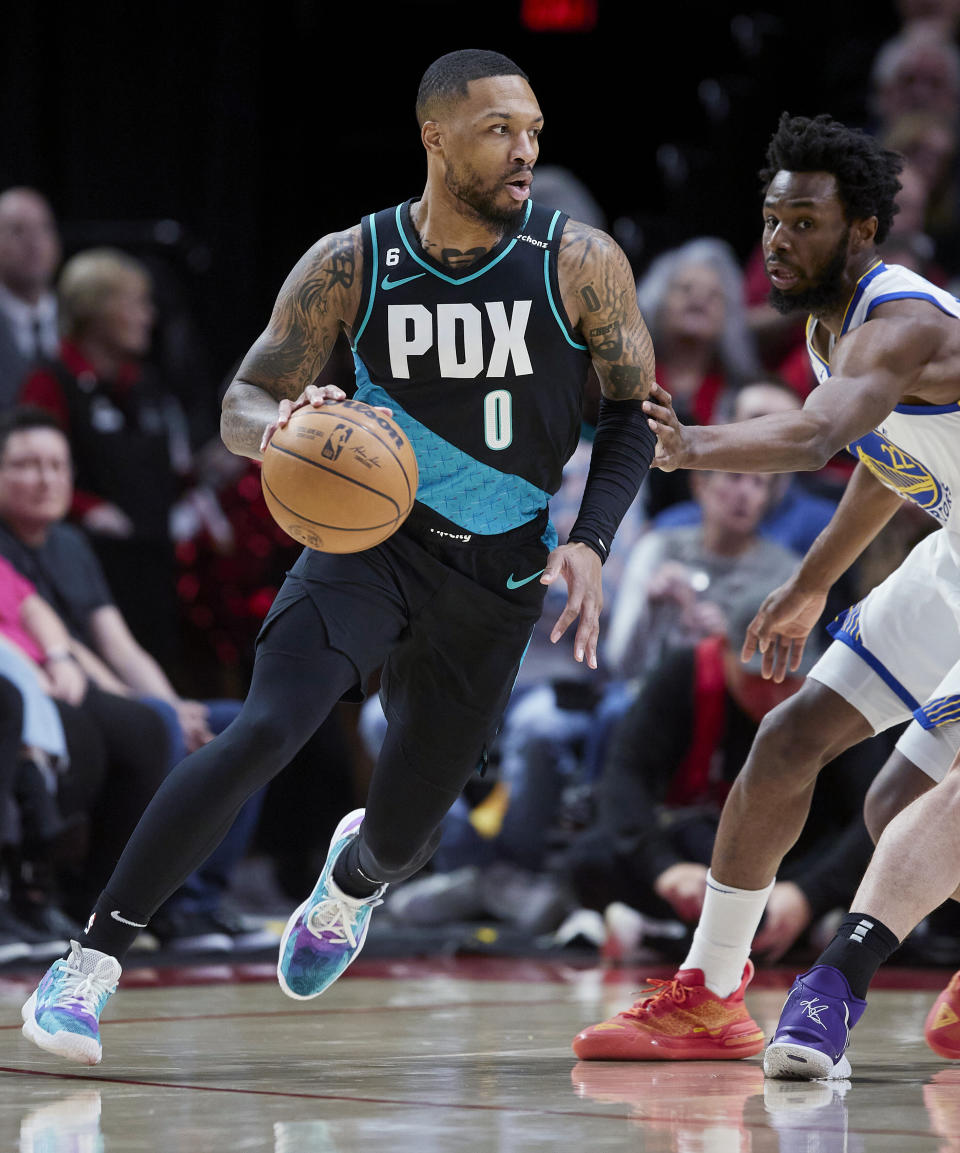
[{"x": 297, "y": 679}]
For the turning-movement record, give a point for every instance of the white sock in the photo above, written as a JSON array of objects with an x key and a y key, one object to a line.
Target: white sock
[{"x": 721, "y": 941}]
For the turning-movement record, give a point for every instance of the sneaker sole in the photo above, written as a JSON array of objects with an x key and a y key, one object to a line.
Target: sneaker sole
[
  {"x": 83, "y": 1050},
  {"x": 296, "y": 914},
  {"x": 790, "y": 1062},
  {"x": 606, "y": 1049}
]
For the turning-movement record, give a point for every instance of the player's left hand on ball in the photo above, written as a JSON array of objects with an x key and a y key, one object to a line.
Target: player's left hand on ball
[
  {"x": 580, "y": 567},
  {"x": 671, "y": 435}
]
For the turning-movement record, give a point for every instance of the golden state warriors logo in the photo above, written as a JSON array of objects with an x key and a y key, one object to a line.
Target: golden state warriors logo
[{"x": 903, "y": 473}]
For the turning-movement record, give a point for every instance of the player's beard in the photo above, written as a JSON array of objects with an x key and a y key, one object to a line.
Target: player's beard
[
  {"x": 827, "y": 293},
  {"x": 481, "y": 201}
]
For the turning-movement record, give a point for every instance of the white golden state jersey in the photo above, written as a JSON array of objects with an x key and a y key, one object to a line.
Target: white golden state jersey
[{"x": 916, "y": 449}]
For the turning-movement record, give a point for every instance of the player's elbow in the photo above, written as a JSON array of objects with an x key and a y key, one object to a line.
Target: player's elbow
[
  {"x": 818, "y": 444},
  {"x": 229, "y": 418}
]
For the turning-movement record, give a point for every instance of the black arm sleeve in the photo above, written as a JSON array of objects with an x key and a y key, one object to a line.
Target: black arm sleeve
[{"x": 622, "y": 450}]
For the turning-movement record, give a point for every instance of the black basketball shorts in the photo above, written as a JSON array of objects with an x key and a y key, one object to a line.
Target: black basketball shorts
[{"x": 448, "y": 622}]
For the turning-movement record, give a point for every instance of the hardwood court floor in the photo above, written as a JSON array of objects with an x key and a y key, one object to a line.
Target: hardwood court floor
[{"x": 439, "y": 1057}]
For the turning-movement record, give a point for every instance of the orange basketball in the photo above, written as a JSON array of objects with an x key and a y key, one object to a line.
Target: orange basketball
[{"x": 340, "y": 478}]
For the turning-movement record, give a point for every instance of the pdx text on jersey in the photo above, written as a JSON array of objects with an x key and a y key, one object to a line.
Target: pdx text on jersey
[{"x": 461, "y": 334}]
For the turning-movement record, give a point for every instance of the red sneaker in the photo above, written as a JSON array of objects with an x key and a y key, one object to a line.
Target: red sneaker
[
  {"x": 682, "y": 1021},
  {"x": 942, "y": 1028}
]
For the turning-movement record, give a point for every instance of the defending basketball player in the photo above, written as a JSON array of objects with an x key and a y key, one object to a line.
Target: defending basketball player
[
  {"x": 885, "y": 346},
  {"x": 474, "y": 316}
]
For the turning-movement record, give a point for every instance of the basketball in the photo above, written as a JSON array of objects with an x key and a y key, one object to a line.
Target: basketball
[{"x": 340, "y": 478}]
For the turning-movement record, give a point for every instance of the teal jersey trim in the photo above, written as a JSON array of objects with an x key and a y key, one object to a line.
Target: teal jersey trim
[
  {"x": 457, "y": 279},
  {"x": 473, "y": 495},
  {"x": 373, "y": 280},
  {"x": 546, "y": 278}
]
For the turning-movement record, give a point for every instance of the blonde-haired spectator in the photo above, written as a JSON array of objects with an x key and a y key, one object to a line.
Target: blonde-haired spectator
[{"x": 127, "y": 433}]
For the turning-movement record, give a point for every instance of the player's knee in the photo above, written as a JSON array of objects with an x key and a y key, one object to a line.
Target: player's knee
[
  {"x": 262, "y": 739},
  {"x": 786, "y": 747}
]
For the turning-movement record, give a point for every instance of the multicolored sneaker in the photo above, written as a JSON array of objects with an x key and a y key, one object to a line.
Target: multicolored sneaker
[
  {"x": 814, "y": 1028},
  {"x": 682, "y": 1021},
  {"x": 327, "y": 932},
  {"x": 942, "y": 1027},
  {"x": 63, "y": 1014}
]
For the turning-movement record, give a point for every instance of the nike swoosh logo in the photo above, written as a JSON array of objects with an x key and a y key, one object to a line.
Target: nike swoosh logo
[
  {"x": 515, "y": 584},
  {"x": 123, "y": 920},
  {"x": 386, "y": 284}
]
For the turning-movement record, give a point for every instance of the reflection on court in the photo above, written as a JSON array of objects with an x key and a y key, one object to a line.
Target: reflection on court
[{"x": 450, "y": 1056}]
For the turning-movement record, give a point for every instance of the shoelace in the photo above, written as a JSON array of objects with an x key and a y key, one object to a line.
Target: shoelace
[
  {"x": 672, "y": 990},
  {"x": 336, "y": 918},
  {"x": 84, "y": 991}
]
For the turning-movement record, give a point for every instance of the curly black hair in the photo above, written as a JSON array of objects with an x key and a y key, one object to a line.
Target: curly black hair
[
  {"x": 865, "y": 171},
  {"x": 447, "y": 77}
]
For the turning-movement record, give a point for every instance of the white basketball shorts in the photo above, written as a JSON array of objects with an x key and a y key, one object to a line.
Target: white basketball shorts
[{"x": 896, "y": 654}]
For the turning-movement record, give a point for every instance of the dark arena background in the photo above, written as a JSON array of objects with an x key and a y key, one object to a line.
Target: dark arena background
[{"x": 221, "y": 140}]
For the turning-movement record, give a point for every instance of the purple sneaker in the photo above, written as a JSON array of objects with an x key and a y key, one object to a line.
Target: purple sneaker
[
  {"x": 327, "y": 932},
  {"x": 814, "y": 1028},
  {"x": 63, "y": 1014}
]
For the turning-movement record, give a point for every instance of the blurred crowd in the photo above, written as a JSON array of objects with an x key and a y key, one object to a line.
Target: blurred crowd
[{"x": 137, "y": 561}]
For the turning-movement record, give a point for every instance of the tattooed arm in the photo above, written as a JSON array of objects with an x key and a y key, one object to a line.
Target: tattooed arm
[
  {"x": 600, "y": 296},
  {"x": 318, "y": 300}
]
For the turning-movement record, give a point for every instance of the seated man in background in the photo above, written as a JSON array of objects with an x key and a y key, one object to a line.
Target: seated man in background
[
  {"x": 29, "y": 255},
  {"x": 35, "y": 494},
  {"x": 671, "y": 761}
]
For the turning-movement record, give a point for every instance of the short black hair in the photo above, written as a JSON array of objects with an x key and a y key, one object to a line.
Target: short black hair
[
  {"x": 25, "y": 418},
  {"x": 448, "y": 76},
  {"x": 865, "y": 171}
]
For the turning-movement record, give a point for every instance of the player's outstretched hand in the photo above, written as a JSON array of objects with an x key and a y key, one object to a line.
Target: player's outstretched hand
[
  {"x": 580, "y": 567},
  {"x": 781, "y": 627},
  {"x": 315, "y": 395},
  {"x": 671, "y": 452}
]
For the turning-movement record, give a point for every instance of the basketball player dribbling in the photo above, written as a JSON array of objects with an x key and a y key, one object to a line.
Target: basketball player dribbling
[
  {"x": 885, "y": 346},
  {"x": 474, "y": 316}
]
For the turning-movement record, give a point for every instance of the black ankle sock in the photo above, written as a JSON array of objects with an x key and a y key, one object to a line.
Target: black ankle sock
[
  {"x": 106, "y": 932},
  {"x": 860, "y": 947},
  {"x": 348, "y": 875}
]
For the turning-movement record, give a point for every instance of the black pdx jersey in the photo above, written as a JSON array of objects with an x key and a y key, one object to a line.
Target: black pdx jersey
[{"x": 481, "y": 368}]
